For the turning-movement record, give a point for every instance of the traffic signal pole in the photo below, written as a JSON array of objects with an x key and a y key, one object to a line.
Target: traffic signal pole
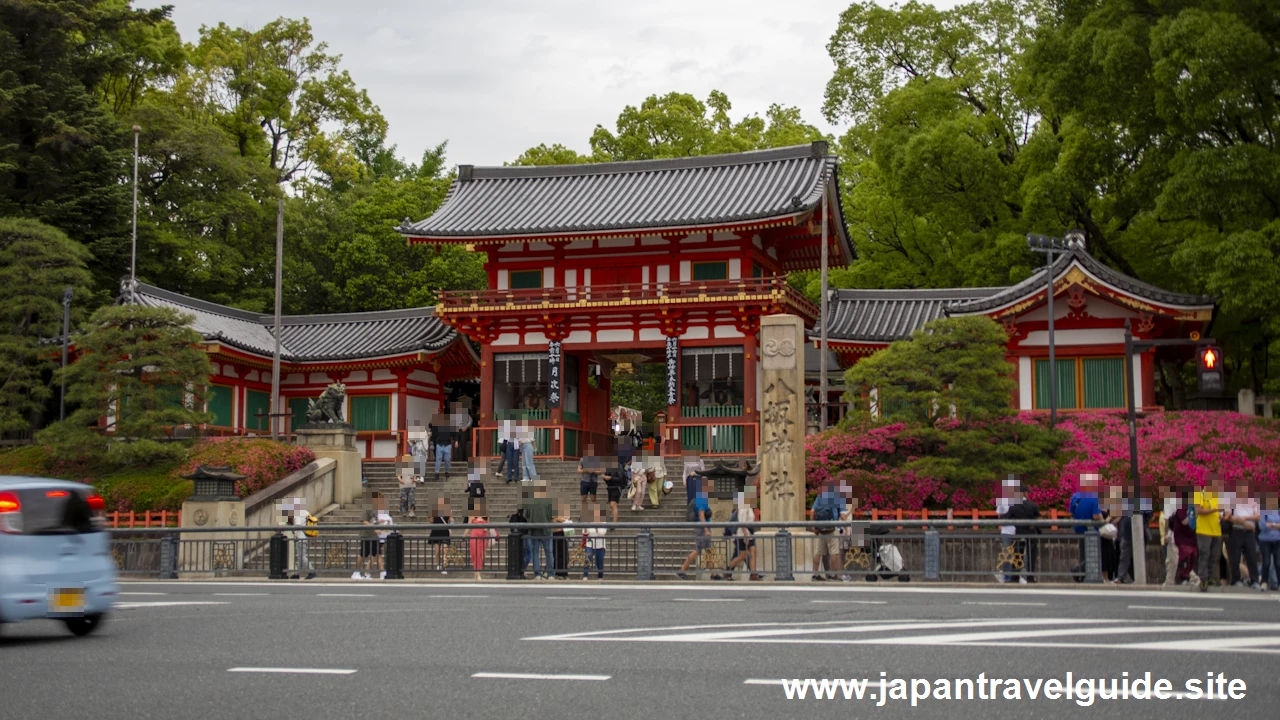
[{"x": 1132, "y": 347}]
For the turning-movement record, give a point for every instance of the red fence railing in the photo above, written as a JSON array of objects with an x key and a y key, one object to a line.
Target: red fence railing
[{"x": 160, "y": 518}]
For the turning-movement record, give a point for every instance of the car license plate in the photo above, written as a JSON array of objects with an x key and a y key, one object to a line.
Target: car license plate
[{"x": 66, "y": 600}]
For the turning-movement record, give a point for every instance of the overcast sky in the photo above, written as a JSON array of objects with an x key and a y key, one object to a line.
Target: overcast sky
[{"x": 495, "y": 77}]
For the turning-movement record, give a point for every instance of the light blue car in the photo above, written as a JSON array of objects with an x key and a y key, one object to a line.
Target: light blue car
[{"x": 55, "y": 557}]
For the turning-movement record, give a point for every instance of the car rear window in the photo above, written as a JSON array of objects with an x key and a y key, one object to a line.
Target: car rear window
[{"x": 55, "y": 512}]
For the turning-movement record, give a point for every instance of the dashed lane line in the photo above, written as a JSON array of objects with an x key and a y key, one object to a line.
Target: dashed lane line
[
  {"x": 539, "y": 676},
  {"x": 710, "y": 600},
  {"x": 345, "y": 595},
  {"x": 166, "y": 603},
  {"x": 292, "y": 671},
  {"x": 1175, "y": 607},
  {"x": 1017, "y": 604},
  {"x": 850, "y": 602}
]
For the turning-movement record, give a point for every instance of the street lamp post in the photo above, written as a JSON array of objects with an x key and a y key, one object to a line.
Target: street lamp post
[
  {"x": 1051, "y": 246},
  {"x": 133, "y": 245},
  {"x": 66, "y": 339}
]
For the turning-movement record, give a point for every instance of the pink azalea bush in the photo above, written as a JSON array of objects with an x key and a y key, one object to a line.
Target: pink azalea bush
[
  {"x": 263, "y": 461},
  {"x": 1174, "y": 448}
]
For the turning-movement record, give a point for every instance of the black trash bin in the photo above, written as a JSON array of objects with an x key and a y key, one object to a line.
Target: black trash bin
[{"x": 395, "y": 556}]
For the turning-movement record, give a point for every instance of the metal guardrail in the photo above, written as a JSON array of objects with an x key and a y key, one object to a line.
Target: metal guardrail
[{"x": 871, "y": 550}]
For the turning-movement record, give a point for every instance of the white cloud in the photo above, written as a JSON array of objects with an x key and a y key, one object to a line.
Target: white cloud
[{"x": 495, "y": 77}]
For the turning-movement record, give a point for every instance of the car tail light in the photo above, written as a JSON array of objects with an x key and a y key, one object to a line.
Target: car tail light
[
  {"x": 10, "y": 513},
  {"x": 56, "y": 493},
  {"x": 96, "y": 503}
]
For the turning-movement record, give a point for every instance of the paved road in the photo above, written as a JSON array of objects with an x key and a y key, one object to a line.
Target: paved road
[{"x": 201, "y": 650}]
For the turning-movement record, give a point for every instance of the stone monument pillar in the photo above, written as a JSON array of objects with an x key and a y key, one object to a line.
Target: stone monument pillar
[
  {"x": 782, "y": 419},
  {"x": 337, "y": 441}
]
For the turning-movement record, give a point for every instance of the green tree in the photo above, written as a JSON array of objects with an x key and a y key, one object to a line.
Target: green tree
[
  {"x": 951, "y": 365},
  {"x": 63, "y": 153},
  {"x": 556, "y": 154},
  {"x": 141, "y": 368},
  {"x": 284, "y": 98},
  {"x": 37, "y": 263}
]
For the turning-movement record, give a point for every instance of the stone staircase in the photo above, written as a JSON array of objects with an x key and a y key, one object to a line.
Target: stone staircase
[{"x": 502, "y": 498}]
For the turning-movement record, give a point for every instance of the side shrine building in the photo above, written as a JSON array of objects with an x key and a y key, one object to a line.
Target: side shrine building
[
  {"x": 619, "y": 264},
  {"x": 1091, "y": 304},
  {"x": 395, "y": 365}
]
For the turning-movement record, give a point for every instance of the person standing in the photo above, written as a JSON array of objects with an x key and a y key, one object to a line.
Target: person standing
[
  {"x": 445, "y": 439},
  {"x": 1184, "y": 540},
  {"x": 518, "y": 518},
  {"x": 560, "y": 539},
  {"x": 302, "y": 538},
  {"x": 593, "y": 544},
  {"x": 1006, "y": 500},
  {"x": 1084, "y": 506},
  {"x": 440, "y": 538},
  {"x": 1027, "y": 537},
  {"x": 369, "y": 546},
  {"x": 828, "y": 506},
  {"x": 480, "y": 539},
  {"x": 540, "y": 511},
  {"x": 1208, "y": 531},
  {"x": 744, "y": 542},
  {"x": 1269, "y": 542},
  {"x": 691, "y": 469},
  {"x": 656, "y": 472},
  {"x": 382, "y": 519},
  {"x": 475, "y": 484},
  {"x": 528, "y": 438},
  {"x": 418, "y": 448},
  {"x": 1244, "y": 517}
]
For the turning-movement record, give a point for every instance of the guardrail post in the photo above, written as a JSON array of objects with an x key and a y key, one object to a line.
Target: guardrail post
[
  {"x": 1092, "y": 556},
  {"x": 932, "y": 555},
  {"x": 782, "y": 556},
  {"x": 169, "y": 557},
  {"x": 395, "y": 556},
  {"x": 515, "y": 555},
  {"x": 278, "y": 556},
  {"x": 644, "y": 555}
]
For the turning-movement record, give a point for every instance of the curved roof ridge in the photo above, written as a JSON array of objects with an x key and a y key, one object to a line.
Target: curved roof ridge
[{"x": 815, "y": 149}]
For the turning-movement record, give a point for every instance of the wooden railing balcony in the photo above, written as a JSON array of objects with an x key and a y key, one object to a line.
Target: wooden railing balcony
[{"x": 774, "y": 290}]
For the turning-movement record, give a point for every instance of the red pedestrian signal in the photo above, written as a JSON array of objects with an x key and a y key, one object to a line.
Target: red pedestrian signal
[{"x": 1209, "y": 375}]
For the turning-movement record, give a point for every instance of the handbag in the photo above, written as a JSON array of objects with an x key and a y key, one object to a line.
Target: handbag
[{"x": 1108, "y": 531}]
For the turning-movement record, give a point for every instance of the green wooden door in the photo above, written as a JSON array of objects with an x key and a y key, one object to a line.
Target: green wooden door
[
  {"x": 256, "y": 406},
  {"x": 1066, "y": 395},
  {"x": 370, "y": 412},
  {"x": 219, "y": 403},
  {"x": 298, "y": 406},
  {"x": 1103, "y": 382}
]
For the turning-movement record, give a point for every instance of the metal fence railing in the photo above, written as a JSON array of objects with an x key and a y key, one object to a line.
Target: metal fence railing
[{"x": 932, "y": 550}]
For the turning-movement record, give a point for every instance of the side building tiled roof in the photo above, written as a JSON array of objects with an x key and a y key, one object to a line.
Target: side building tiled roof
[
  {"x": 649, "y": 194},
  {"x": 308, "y": 338},
  {"x": 882, "y": 316},
  {"x": 1092, "y": 266}
]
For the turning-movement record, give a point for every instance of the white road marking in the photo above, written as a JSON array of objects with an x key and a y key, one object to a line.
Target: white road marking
[
  {"x": 303, "y": 671},
  {"x": 538, "y": 676},
  {"x": 469, "y": 597},
  {"x": 761, "y": 681},
  {"x": 706, "y": 599},
  {"x": 167, "y": 603},
  {"x": 241, "y": 594},
  {"x": 142, "y": 593},
  {"x": 1175, "y": 607},
  {"x": 1022, "y": 604},
  {"x": 345, "y": 595},
  {"x": 576, "y": 597},
  {"x": 850, "y": 602}
]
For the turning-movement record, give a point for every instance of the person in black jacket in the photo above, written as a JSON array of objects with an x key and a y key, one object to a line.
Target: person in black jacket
[{"x": 1028, "y": 541}]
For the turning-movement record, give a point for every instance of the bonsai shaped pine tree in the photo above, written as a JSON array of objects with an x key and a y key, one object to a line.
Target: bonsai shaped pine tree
[
  {"x": 951, "y": 366},
  {"x": 140, "y": 368}
]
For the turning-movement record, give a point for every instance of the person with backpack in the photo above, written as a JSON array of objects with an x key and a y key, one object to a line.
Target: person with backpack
[
  {"x": 828, "y": 506},
  {"x": 1084, "y": 506},
  {"x": 615, "y": 480},
  {"x": 744, "y": 542},
  {"x": 697, "y": 511},
  {"x": 302, "y": 539},
  {"x": 475, "y": 484}
]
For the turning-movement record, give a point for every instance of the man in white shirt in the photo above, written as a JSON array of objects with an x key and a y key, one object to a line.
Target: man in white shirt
[
  {"x": 1009, "y": 496},
  {"x": 1243, "y": 519},
  {"x": 301, "y": 542}
]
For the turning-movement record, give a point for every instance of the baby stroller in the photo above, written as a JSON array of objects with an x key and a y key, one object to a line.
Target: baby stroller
[{"x": 885, "y": 558}]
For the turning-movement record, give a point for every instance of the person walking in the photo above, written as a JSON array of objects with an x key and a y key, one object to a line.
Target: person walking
[
  {"x": 408, "y": 490},
  {"x": 511, "y": 453},
  {"x": 1208, "y": 531},
  {"x": 418, "y": 448},
  {"x": 639, "y": 481},
  {"x": 480, "y": 539},
  {"x": 744, "y": 542},
  {"x": 615, "y": 481},
  {"x": 439, "y": 539},
  {"x": 475, "y": 484},
  {"x": 656, "y": 474},
  {"x": 540, "y": 511},
  {"x": 1244, "y": 518},
  {"x": 691, "y": 469},
  {"x": 593, "y": 544},
  {"x": 699, "y": 511},
  {"x": 589, "y": 477},
  {"x": 1269, "y": 542}
]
